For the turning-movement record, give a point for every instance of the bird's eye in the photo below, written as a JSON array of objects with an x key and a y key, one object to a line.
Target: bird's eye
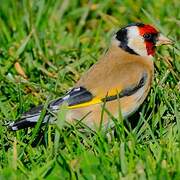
[{"x": 147, "y": 37}]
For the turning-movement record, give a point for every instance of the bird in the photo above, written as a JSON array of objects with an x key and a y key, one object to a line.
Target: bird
[{"x": 119, "y": 81}]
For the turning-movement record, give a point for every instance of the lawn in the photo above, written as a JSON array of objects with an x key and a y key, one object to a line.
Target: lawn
[{"x": 45, "y": 46}]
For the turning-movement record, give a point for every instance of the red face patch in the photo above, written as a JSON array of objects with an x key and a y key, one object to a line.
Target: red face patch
[
  {"x": 150, "y": 45},
  {"x": 150, "y": 48},
  {"x": 147, "y": 29}
]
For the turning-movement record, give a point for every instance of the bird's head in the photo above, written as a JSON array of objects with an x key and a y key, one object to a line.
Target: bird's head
[{"x": 140, "y": 39}]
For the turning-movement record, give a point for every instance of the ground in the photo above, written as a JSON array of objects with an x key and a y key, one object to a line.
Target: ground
[{"x": 45, "y": 46}]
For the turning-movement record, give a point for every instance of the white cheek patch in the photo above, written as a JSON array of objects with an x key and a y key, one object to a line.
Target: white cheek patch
[{"x": 136, "y": 42}]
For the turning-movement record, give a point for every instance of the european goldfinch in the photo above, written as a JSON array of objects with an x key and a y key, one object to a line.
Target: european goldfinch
[{"x": 121, "y": 79}]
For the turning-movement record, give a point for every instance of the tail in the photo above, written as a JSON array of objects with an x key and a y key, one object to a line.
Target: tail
[
  {"x": 22, "y": 124},
  {"x": 30, "y": 118}
]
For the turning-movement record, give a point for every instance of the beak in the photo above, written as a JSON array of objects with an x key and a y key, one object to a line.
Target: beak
[{"x": 162, "y": 40}]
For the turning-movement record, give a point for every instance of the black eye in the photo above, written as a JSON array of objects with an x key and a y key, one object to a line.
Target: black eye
[{"x": 147, "y": 37}]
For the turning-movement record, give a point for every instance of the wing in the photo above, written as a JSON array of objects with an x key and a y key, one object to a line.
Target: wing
[
  {"x": 81, "y": 97},
  {"x": 76, "y": 96}
]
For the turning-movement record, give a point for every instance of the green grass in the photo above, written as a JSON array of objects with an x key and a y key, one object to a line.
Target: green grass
[{"x": 54, "y": 42}]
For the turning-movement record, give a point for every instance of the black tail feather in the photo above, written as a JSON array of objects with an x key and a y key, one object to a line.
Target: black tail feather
[
  {"x": 22, "y": 124},
  {"x": 30, "y": 118}
]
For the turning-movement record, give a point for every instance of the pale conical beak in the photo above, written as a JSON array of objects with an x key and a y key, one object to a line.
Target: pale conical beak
[{"x": 162, "y": 40}]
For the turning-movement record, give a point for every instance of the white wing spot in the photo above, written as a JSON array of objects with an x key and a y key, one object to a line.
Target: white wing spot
[
  {"x": 14, "y": 128},
  {"x": 66, "y": 97},
  {"x": 76, "y": 89}
]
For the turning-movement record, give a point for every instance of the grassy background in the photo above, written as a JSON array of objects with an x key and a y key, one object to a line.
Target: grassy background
[{"x": 45, "y": 46}]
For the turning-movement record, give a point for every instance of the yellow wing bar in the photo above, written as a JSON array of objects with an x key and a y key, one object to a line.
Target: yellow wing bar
[{"x": 93, "y": 101}]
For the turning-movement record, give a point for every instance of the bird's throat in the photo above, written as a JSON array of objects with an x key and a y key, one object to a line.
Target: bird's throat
[{"x": 150, "y": 48}]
